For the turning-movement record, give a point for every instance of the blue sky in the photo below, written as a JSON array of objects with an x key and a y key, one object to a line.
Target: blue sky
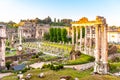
[{"x": 74, "y": 9}]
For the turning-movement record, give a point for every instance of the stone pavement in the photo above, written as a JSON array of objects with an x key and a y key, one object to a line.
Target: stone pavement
[
  {"x": 38, "y": 65},
  {"x": 4, "y": 74},
  {"x": 81, "y": 66},
  {"x": 113, "y": 55}
]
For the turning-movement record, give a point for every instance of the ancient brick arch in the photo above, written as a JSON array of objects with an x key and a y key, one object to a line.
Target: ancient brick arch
[{"x": 95, "y": 32}]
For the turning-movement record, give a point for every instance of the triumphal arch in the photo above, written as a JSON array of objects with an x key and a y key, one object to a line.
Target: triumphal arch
[{"x": 94, "y": 42}]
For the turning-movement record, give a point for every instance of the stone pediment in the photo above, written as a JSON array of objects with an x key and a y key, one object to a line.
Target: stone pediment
[{"x": 83, "y": 20}]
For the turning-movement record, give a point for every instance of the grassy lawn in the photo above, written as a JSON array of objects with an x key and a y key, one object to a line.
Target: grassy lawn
[
  {"x": 83, "y": 59},
  {"x": 100, "y": 77},
  {"x": 52, "y": 75},
  {"x": 115, "y": 67},
  {"x": 10, "y": 54},
  {"x": 10, "y": 51},
  {"x": 55, "y": 75},
  {"x": 62, "y": 46}
]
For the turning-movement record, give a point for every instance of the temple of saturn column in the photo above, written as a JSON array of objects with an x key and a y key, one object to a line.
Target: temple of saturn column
[
  {"x": 94, "y": 42},
  {"x": 2, "y": 45}
]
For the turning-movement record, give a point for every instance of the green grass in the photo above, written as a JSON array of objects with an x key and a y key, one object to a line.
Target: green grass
[
  {"x": 62, "y": 46},
  {"x": 10, "y": 54},
  {"x": 100, "y": 77},
  {"x": 81, "y": 60},
  {"x": 52, "y": 75},
  {"x": 11, "y": 77},
  {"x": 55, "y": 75},
  {"x": 115, "y": 67},
  {"x": 48, "y": 57},
  {"x": 118, "y": 50}
]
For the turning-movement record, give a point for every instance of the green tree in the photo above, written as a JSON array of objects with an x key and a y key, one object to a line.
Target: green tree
[
  {"x": 55, "y": 34},
  {"x": 51, "y": 31},
  {"x": 8, "y": 64},
  {"x": 64, "y": 35},
  {"x": 59, "y": 35},
  {"x": 83, "y": 32},
  {"x": 46, "y": 36}
]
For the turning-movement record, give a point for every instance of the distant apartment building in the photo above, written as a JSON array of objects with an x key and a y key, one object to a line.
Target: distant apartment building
[{"x": 114, "y": 35}]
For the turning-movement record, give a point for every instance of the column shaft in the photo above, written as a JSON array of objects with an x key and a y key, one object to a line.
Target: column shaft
[
  {"x": 90, "y": 48},
  {"x": 77, "y": 35},
  {"x": 20, "y": 35},
  {"x": 80, "y": 38},
  {"x": 85, "y": 41},
  {"x": 97, "y": 52},
  {"x": 105, "y": 62},
  {"x": 72, "y": 35},
  {"x": 76, "y": 45}
]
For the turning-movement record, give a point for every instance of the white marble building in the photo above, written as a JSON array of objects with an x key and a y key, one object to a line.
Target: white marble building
[{"x": 113, "y": 36}]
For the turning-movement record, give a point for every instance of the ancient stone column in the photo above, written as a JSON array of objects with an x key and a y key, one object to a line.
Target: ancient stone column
[
  {"x": 102, "y": 41},
  {"x": 105, "y": 59},
  {"x": 37, "y": 34},
  {"x": 12, "y": 41},
  {"x": 80, "y": 38},
  {"x": 85, "y": 40},
  {"x": 90, "y": 47},
  {"x": 97, "y": 49},
  {"x": 76, "y": 38},
  {"x": 2, "y": 46},
  {"x": 20, "y": 35},
  {"x": 42, "y": 32},
  {"x": 72, "y": 35},
  {"x": 3, "y": 53}
]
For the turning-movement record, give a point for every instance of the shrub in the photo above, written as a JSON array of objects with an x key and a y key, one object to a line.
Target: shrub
[
  {"x": 81, "y": 60},
  {"x": 53, "y": 67},
  {"x": 25, "y": 70},
  {"x": 7, "y": 49},
  {"x": 40, "y": 53},
  {"x": 114, "y": 67},
  {"x": 8, "y": 64}
]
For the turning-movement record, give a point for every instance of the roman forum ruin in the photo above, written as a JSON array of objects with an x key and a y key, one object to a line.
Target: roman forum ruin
[
  {"x": 2, "y": 45},
  {"x": 94, "y": 42}
]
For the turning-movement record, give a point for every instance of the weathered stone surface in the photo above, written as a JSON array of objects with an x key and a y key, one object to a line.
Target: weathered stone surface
[{"x": 41, "y": 75}]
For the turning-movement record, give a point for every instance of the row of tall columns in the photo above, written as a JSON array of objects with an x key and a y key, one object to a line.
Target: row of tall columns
[
  {"x": 73, "y": 37},
  {"x": 80, "y": 39}
]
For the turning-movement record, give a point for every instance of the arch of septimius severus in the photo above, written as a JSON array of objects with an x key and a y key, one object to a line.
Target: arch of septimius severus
[{"x": 94, "y": 42}]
